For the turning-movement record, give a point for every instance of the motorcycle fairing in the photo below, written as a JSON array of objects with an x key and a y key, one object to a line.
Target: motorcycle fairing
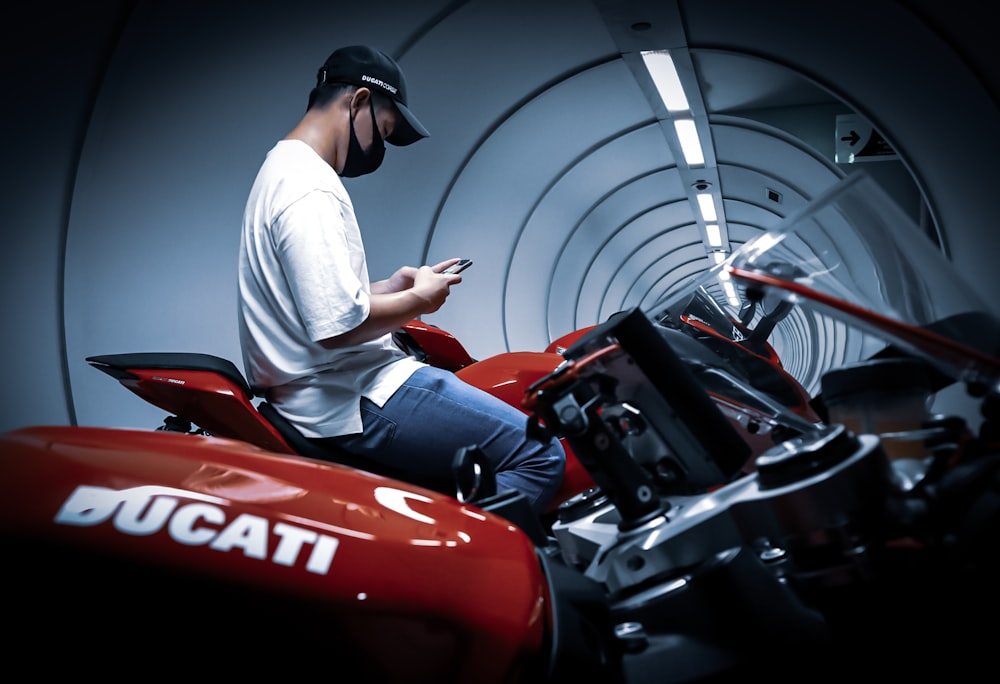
[
  {"x": 432, "y": 345},
  {"x": 370, "y": 558},
  {"x": 197, "y": 388}
]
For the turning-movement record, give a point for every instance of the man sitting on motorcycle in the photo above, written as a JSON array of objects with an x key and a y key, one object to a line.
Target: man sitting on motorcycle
[{"x": 316, "y": 333}]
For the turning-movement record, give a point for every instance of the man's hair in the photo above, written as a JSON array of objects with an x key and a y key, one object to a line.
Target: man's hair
[{"x": 326, "y": 93}]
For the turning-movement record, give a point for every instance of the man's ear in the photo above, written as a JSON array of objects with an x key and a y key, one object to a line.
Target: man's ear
[{"x": 360, "y": 99}]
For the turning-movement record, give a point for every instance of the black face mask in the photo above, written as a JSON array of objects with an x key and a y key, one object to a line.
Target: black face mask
[{"x": 359, "y": 161}]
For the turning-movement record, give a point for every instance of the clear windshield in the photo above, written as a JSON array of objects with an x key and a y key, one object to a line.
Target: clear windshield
[{"x": 852, "y": 276}]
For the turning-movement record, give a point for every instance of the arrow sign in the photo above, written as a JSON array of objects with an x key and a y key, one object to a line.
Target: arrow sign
[{"x": 858, "y": 141}]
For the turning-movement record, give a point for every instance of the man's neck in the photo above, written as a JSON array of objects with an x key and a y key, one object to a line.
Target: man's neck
[{"x": 317, "y": 130}]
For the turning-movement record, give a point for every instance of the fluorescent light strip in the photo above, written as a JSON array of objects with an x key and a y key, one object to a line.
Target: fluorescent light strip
[
  {"x": 731, "y": 293},
  {"x": 714, "y": 235},
  {"x": 664, "y": 74},
  {"x": 687, "y": 134},
  {"x": 707, "y": 206},
  {"x": 717, "y": 258}
]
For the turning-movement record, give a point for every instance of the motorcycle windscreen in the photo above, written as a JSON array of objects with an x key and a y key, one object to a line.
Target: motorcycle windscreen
[{"x": 864, "y": 281}]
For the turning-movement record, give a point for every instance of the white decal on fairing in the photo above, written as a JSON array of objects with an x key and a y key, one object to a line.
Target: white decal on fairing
[
  {"x": 399, "y": 500},
  {"x": 142, "y": 511}
]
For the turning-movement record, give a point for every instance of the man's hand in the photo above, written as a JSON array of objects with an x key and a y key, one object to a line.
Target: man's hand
[
  {"x": 441, "y": 266},
  {"x": 434, "y": 287},
  {"x": 401, "y": 280},
  {"x": 409, "y": 293}
]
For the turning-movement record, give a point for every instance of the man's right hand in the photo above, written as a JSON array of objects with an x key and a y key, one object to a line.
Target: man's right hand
[{"x": 433, "y": 287}]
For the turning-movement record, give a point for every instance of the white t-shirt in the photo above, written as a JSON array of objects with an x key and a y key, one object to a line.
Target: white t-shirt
[{"x": 302, "y": 278}]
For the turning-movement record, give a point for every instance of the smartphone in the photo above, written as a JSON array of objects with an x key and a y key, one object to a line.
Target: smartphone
[{"x": 458, "y": 267}]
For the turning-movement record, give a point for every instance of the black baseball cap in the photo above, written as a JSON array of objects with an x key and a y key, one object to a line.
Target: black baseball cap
[{"x": 365, "y": 66}]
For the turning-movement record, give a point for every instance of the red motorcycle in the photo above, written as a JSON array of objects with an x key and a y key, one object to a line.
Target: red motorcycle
[
  {"x": 208, "y": 395},
  {"x": 718, "y": 519}
]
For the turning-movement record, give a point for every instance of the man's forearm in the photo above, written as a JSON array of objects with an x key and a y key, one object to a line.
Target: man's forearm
[{"x": 387, "y": 313}]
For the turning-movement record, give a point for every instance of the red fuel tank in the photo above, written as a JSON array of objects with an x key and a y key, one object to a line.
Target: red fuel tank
[{"x": 125, "y": 543}]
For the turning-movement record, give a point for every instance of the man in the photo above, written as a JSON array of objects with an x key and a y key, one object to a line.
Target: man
[{"x": 317, "y": 334}]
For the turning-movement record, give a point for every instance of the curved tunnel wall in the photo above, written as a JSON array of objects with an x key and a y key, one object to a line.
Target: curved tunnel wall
[{"x": 194, "y": 97}]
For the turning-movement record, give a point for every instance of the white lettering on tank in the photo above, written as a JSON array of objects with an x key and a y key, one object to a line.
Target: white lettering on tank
[
  {"x": 143, "y": 511},
  {"x": 247, "y": 532},
  {"x": 189, "y": 525}
]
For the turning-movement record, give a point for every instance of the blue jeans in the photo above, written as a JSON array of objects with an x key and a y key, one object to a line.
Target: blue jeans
[{"x": 435, "y": 413}]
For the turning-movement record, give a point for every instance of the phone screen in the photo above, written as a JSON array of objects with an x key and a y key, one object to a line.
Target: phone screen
[{"x": 459, "y": 267}]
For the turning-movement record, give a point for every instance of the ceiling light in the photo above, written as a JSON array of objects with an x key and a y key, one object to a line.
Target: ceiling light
[
  {"x": 731, "y": 293},
  {"x": 718, "y": 257},
  {"x": 687, "y": 134},
  {"x": 714, "y": 235},
  {"x": 707, "y": 206},
  {"x": 664, "y": 74}
]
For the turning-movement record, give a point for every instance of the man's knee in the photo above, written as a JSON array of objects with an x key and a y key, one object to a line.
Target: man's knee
[{"x": 555, "y": 458}]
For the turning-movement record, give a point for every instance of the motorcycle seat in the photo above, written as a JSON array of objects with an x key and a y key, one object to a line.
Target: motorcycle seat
[
  {"x": 117, "y": 365},
  {"x": 257, "y": 425}
]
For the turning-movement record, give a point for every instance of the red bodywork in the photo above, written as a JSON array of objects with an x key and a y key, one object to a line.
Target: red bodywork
[
  {"x": 281, "y": 550},
  {"x": 223, "y": 406},
  {"x": 453, "y": 593},
  {"x": 770, "y": 357},
  {"x": 433, "y": 345},
  {"x": 217, "y": 404}
]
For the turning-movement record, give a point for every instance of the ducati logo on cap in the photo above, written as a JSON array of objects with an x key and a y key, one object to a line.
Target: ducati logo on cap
[{"x": 379, "y": 83}]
